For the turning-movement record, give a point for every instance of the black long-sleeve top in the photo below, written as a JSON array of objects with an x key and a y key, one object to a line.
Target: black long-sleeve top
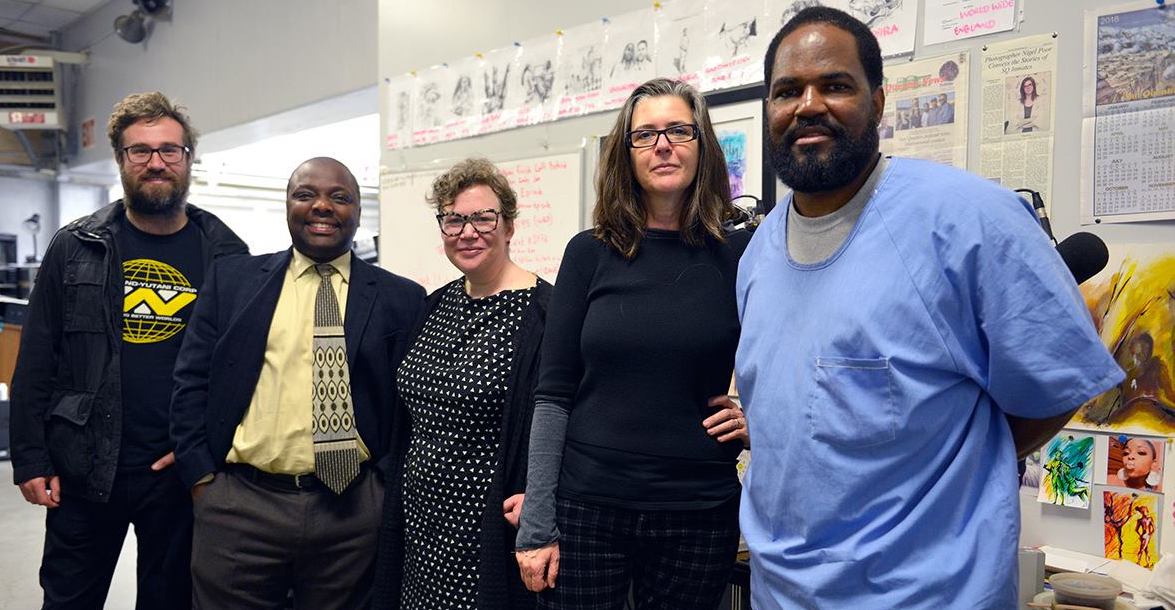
[{"x": 632, "y": 351}]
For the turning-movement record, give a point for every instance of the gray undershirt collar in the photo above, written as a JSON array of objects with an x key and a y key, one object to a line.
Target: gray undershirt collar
[{"x": 813, "y": 240}]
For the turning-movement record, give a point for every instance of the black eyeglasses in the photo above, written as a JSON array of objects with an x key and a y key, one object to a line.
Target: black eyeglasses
[
  {"x": 169, "y": 153},
  {"x": 483, "y": 221},
  {"x": 677, "y": 134}
]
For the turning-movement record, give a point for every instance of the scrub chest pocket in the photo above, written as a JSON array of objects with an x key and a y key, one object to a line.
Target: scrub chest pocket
[{"x": 852, "y": 402}]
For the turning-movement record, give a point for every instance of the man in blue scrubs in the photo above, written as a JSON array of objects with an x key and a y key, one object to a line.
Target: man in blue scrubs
[{"x": 907, "y": 329}]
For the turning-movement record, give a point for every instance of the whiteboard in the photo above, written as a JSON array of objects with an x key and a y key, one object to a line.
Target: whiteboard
[{"x": 549, "y": 214}]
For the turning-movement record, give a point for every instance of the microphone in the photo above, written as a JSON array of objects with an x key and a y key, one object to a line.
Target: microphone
[
  {"x": 1038, "y": 206},
  {"x": 1085, "y": 254}
]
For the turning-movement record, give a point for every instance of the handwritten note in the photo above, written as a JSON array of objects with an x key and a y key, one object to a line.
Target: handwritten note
[{"x": 948, "y": 20}]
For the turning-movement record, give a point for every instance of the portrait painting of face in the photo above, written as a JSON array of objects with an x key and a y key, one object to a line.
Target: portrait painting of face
[{"x": 1135, "y": 462}]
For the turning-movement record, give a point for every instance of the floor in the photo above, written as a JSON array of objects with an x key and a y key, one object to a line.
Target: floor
[{"x": 23, "y": 527}]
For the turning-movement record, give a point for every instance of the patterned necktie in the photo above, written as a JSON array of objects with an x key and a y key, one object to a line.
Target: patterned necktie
[{"x": 336, "y": 450}]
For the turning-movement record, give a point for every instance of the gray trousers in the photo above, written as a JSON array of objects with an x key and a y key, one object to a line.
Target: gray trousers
[{"x": 252, "y": 544}]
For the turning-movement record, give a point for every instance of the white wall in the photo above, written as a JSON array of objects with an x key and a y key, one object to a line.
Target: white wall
[
  {"x": 21, "y": 198},
  {"x": 229, "y": 62}
]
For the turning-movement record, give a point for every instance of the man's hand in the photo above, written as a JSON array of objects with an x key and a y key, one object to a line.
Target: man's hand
[
  {"x": 164, "y": 462},
  {"x": 539, "y": 567},
  {"x": 512, "y": 509},
  {"x": 43, "y": 491}
]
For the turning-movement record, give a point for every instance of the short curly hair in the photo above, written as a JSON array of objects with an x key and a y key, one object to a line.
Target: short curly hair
[
  {"x": 469, "y": 173},
  {"x": 146, "y": 107}
]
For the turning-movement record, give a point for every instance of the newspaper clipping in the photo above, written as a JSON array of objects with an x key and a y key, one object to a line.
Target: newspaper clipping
[
  {"x": 1019, "y": 80},
  {"x": 1128, "y": 129},
  {"x": 926, "y": 110}
]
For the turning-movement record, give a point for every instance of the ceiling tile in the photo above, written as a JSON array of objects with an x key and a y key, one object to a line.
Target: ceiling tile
[
  {"x": 10, "y": 9},
  {"x": 33, "y": 29},
  {"x": 80, "y": 6},
  {"x": 49, "y": 17}
]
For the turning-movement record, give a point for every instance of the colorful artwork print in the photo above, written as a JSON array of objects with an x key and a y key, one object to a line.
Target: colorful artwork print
[
  {"x": 1133, "y": 310},
  {"x": 1135, "y": 462},
  {"x": 734, "y": 149},
  {"x": 1068, "y": 470},
  {"x": 1131, "y": 531}
]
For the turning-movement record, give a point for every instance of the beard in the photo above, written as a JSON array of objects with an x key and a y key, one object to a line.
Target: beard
[
  {"x": 809, "y": 173},
  {"x": 154, "y": 199}
]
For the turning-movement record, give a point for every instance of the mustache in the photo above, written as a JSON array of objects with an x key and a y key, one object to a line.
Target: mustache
[
  {"x": 838, "y": 132},
  {"x": 152, "y": 174}
]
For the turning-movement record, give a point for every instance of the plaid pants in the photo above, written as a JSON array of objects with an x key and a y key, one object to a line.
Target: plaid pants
[{"x": 673, "y": 559}]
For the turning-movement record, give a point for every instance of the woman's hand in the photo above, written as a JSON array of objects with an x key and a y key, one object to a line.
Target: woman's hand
[
  {"x": 512, "y": 509},
  {"x": 728, "y": 423},
  {"x": 539, "y": 567}
]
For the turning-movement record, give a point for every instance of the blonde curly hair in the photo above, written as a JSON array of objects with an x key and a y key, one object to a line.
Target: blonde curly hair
[{"x": 469, "y": 173}]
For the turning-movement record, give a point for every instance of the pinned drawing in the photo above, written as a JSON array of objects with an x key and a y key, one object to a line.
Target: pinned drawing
[
  {"x": 630, "y": 39},
  {"x": 399, "y": 111},
  {"x": 738, "y": 35},
  {"x": 583, "y": 67},
  {"x": 579, "y": 77},
  {"x": 497, "y": 70},
  {"x": 1135, "y": 462},
  {"x": 680, "y": 31},
  {"x": 1130, "y": 529},
  {"x": 530, "y": 97},
  {"x": 1133, "y": 307},
  {"x": 462, "y": 99},
  {"x": 735, "y": 43},
  {"x": 892, "y": 21},
  {"x": 1068, "y": 470}
]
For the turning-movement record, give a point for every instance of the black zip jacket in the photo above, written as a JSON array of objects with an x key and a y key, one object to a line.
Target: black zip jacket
[{"x": 66, "y": 391}]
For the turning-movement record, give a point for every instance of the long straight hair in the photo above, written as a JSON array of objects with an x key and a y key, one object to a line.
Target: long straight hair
[{"x": 619, "y": 216}]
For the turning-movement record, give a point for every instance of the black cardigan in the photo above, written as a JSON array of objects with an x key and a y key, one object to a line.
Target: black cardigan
[{"x": 498, "y": 583}]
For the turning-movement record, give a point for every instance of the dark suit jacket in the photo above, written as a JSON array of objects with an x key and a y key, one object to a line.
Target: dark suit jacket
[{"x": 224, "y": 347}]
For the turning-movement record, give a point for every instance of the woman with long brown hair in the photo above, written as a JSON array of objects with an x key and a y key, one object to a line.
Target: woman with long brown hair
[{"x": 632, "y": 478}]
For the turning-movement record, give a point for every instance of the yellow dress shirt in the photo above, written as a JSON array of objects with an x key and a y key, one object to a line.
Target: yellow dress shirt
[{"x": 275, "y": 434}]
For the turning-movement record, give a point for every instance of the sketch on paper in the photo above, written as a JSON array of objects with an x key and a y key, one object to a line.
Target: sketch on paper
[
  {"x": 462, "y": 99},
  {"x": 428, "y": 102},
  {"x": 1130, "y": 529},
  {"x": 738, "y": 35},
  {"x": 874, "y": 12},
  {"x": 494, "y": 82},
  {"x": 530, "y": 96},
  {"x": 680, "y": 35},
  {"x": 403, "y": 109},
  {"x": 1135, "y": 462},
  {"x": 537, "y": 80},
  {"x": 584, "y": 72},
  {"x": 634, "y": 58},
  {"x": 1068, "y": 470},
  {"x": 734, "y": 150},
  {"x": 1134, "y": 312}
]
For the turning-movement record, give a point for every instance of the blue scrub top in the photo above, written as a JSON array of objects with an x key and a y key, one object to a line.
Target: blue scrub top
[{"x": 876, "y": 383}]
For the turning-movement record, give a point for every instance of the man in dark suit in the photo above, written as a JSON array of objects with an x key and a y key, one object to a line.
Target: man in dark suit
[{"x": 283, "y": 408}]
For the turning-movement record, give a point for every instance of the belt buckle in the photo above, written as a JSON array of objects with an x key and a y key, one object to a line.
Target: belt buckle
[{"x": 298, "y": 480}]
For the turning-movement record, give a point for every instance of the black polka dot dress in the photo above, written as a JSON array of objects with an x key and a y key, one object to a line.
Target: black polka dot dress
[{"x": 453, "y": 381}]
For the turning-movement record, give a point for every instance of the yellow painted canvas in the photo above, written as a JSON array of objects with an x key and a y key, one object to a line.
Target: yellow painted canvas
[
  {"x": 1133, "y": 307},
  {"x": 1131, "y": 527}
]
